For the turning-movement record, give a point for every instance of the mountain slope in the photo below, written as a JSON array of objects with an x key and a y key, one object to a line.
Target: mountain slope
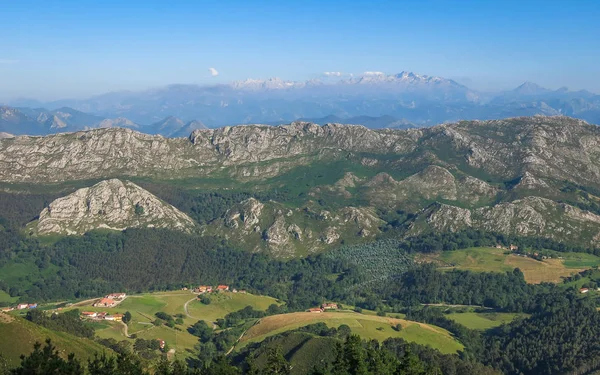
[
  {"x": 304, "y": 188},
  {"x": 110, "y": 204},
  {"x": 23, "y": 334}
]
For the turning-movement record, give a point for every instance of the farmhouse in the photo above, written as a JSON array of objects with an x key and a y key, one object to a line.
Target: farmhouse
[
  {"x": 32, "y": 306},
  {"x": 202, "y": 289},
  {"x": 105, "y": 302},
  {"x": 329, "y": 306},
  {"x": 89, "y": 314},
  {"x": 584, "y": 290},
  {"x": 161, "y": 344},
  {"x": 118, "y": 317},
  {"x": 315, "y": 310},
  {"x": 222, "y": 288},
  {"x": 513, "y": 247},
  {"x": 22, "y": 306},
  {"x": 7, "y": 309}
]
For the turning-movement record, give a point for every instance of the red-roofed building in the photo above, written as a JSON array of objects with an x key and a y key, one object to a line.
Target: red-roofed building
[
  {"x": 161, "y": 344},
  {"x": 584, "y": 290},
  {"x": 203, "y": 289},
  {"x": 89, "y": 314},
  {"x": 222, "y": 288},
  {"x": 315, "y": 310}
]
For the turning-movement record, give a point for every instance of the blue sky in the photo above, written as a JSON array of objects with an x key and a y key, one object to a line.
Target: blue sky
[{"x": 54, "y": 49}]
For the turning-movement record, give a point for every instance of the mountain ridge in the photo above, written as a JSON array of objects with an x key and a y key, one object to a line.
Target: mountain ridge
[{"x": 418, "y": 99}]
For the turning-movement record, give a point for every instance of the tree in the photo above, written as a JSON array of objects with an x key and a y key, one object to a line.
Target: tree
[
  {"x": 205, "y": 300},
  {"x": 46, "y": 360},
  {"x": 127, "y": 317},
  {"x": 276, "y": 363},
  {"x": 202, "y": 330}
]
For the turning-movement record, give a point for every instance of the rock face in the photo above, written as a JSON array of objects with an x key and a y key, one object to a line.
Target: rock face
[
  {"x": 110, "y": 204},
  {"x": 530, "y": 216},
  {"x": 532, "y": 176},
  {"x": 285, "y": 232},
  {"x": 546, "y": 147}
]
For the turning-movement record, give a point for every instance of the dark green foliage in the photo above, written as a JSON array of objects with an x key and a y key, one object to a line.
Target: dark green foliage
[
  {"x": 205, "y": 300},
  {"x": 126, "y": 317},
  {"x": 276, "y": 363},
  {"x": 202, "y": 330},
  {"x": 66, "y": 322},
  {"x": 139, "y": 210},
  {"x": 562, "y": 339},
  {"x": 435, "y": 242},
  {"x": 19, "y": 209},
  {"x": 47, "y": 360},
  {"x": 237, "y": 317},
  {"x": 425, "y": 284}
]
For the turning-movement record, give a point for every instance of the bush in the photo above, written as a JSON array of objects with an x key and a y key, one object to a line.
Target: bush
[{"x": 205, "y": 300}]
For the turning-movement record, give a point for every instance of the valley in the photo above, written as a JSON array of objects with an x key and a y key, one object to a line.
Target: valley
[{"x": 448, "y": 240}]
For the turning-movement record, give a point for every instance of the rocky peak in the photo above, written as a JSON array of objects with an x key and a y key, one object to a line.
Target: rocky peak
[{"x": 110, "y": 204}]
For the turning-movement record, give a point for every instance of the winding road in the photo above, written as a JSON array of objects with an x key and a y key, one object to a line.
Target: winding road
[{"x": 185, "y": 308}]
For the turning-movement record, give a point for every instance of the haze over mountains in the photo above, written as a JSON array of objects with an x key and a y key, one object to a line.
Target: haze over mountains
[{"x": 375, "y": 99}]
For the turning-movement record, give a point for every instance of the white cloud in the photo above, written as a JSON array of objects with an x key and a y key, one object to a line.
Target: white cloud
[
  {"x": 373, "y": 73},
  {"x": 8, "y": 61},
  {"x": 213, "y": 72},
  {"x": 332, "y": 74}
]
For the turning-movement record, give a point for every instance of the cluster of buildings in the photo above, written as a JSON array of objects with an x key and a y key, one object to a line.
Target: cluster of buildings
[
  {"x": 111, "y": 300},
  {"x": 323, "y": 307},
  {"x": 93, "y": 315},
  {"x": 20, "y": 306},
  {"x": 202, "y": 289}
]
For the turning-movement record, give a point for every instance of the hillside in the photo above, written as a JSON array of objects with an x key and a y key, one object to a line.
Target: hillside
[
  {"x": 302, "y": 188},
  {"x": 109, "y": 204},
  {"x": 19, "y": 335}
]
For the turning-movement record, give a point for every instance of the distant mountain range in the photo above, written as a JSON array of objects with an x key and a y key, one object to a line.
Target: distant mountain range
[
  {"x": 373, "y": 99},
  {"x": 39, "y": 121}
]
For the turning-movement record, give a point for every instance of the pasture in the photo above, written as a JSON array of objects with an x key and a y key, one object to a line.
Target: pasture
[
  {"x": 483, "y": 321},
  {"x": 367, "y": 326},
  {"x": 488, "y": 259},
  {"x": 18, "y": 336},
  {"x": 143, "y": 308}
]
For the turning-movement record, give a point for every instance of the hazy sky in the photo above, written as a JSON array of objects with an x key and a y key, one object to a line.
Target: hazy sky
[{"x": 54, "y": 49}]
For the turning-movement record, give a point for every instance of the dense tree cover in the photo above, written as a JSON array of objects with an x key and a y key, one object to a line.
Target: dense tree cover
[
  {"x": 562, "y": 339},
  {"x": 236, "y": 317},
  {"x": 19, "y": 209},
  {"x": 152, "y": 259},
  {"x": 205, "y": 206},
  {"x": 66, "y": 322},
  {"x": 424, "y": 284},
  {"x": 447, "y": 241},
  {"x": 47, "y": 360}
]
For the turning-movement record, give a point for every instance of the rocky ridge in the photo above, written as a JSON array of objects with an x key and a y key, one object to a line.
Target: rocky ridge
[
  {"x": 287, "y": 232},
  {"x": 110, "y": 204}
]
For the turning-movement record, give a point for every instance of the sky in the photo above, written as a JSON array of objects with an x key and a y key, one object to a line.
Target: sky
[{"x": 70, "y": 49}]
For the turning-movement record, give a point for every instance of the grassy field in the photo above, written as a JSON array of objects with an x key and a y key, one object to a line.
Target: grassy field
[
  {"x": 483, "y": 321},
  {"x": 487, "y": 259},
  {"x": 5, "y": 297},
  {"x": 143, "y": 308},
  {"x": 18, "y": 336},
  {"x": 367, "y": 326},
  {"x": 222, "y": 304}
]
